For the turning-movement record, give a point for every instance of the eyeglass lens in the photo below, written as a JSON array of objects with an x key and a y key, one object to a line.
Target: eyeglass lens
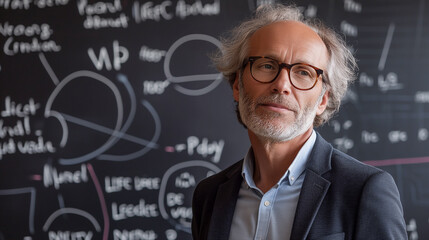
[{"x": 266, "y": 70}]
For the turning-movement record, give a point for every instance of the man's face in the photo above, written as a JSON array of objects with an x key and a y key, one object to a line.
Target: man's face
[{"x": 277, "y": 111}]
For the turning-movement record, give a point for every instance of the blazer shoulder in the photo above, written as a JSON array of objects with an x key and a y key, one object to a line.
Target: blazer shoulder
[
  {"x": 353, "y": 171},
  {"x": 341, "y": 159}
]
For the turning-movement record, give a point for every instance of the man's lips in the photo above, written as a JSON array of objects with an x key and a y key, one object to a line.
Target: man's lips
[{"x": 277, "y": 107}]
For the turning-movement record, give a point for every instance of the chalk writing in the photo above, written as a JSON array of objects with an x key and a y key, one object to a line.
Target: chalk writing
[
  {"x": 51, "y": 176},
  {"x": 384, "y": 83},
  {"x": 135, "y": 234},
  {"x": 423, "y": 134},
  {"x": 352, "y": 6},
  {"x": 344, "y": 143},
  {"x": 184, "y": 9},
  {"x": 27, "y": 4},
  {"x": 171, "y": 234},
  {"x": 43, "y": 31},
  {"x": 422, "y": 97},
  {"x": 390, "y": 82},
  {"x": 38, "y": 35},
  {"x": 311, "y": 11},
  {"x": 151, "y": 55},
  {"x": 149, "y": 11},
  {"x": 369, "y": 137},
  {"x": 349, "y": 29},
  {"x": 96, "y": 22},
  {"x": 21, "y": 128},
  {"x": 412, "y": 229},
  {"x": 365, "y": 80},
  {"x": 142, "y": 209},
  {"x": 120, "y": 56},
  {"x": 50, "y": 3},
  {"x": 98, "y": 7},
  {"x": 12, "y": 48},
  {"x": 183, "y": 213},
  {"x": 166, "y": 11},
  {"x": 15, "y": 4},
  {"x": 146, "y": 183},
  {"x": 11, "y": 108},
  {"x": 69, "y": 235},
  {"x": 397, "y": 136},
  {"x": 185, "y": 180},
  {"x": 174, "y": 204},
  {"x": 202, "y": 147},
  {"x": 94, "y": 10},
  {"x": 341, "y": 126},
  {"x": 116, "y": 184},
  {"x": 155, "y": 87},
  {"x": 174, "y": 199},
  {"x": 120, "y": 183},
  {"x": 27, "y": 146}
]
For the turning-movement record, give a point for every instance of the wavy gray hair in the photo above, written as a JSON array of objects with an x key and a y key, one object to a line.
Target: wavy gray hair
[{"x": 341, "y": 70}]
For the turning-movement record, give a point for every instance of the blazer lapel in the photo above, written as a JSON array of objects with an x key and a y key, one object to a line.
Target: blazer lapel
[
  {"x": 224, "y": 206},
  {"x": 314, "y": 189}
]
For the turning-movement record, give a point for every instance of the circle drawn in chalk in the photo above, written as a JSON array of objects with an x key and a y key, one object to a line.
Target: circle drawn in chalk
[
  {"x": 177, "y": 187},
  {"x": 82, "y": 220},
  {"x": 216, "y": 78},
  {"x": 106, "y": 136},
  {"x": 76, "y": 79}
]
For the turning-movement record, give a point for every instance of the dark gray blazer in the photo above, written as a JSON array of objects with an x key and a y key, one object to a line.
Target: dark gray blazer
[{"x": 341, "y": 198}]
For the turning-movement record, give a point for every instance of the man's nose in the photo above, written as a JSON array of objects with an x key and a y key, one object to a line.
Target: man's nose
[{"x": 282, "y": 84}]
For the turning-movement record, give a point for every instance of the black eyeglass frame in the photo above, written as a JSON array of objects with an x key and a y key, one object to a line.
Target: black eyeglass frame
[{"x": 282, "y": 65}]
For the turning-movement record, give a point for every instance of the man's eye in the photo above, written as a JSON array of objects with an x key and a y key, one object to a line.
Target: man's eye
[
  {"x": 304, "y": 73},
  {"x": 268, "y": 66}
]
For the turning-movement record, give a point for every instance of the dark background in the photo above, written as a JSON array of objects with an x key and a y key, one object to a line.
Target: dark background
[{"x": 105, "y": 130}]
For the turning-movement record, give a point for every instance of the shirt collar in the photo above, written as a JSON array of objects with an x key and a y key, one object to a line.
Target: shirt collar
[{"x": 294, "y": 171}]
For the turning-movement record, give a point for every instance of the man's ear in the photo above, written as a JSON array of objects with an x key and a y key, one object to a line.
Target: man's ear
[
  {"x": 236, "y": 88},
  {"x": 323, "y": 104}
]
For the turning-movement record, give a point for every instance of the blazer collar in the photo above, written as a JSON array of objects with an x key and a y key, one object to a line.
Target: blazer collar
[
  {"x": 224, "y": 206},
  {"x": 314, "y": 189}
]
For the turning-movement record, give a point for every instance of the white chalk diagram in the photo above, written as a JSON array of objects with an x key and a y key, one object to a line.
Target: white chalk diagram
[
  {"x": 114, "y": 134},
  {"x": 216, "y": 78},
  {"x": 182, "y": 223},
  {"x": 63, "y": 210},
  {"x": 118, "y": 132}
]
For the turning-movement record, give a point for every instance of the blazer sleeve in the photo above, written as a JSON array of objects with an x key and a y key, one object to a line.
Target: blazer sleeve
[{"x": 380, "y": 211}]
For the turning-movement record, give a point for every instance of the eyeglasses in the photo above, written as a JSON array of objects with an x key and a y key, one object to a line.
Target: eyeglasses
[{"x": 265, "y": 70}]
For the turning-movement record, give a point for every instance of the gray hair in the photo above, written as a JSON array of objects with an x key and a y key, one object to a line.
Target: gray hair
[{"x": 341, "y": 70}]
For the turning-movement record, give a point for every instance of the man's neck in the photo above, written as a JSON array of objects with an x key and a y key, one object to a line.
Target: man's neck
[{"x": 272, "y": 159}]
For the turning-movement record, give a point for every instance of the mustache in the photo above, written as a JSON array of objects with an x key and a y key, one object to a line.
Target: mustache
[{"x": 277, "y": 99}]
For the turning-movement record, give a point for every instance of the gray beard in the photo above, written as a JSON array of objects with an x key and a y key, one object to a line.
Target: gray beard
[{"x": 262, "y": 124}]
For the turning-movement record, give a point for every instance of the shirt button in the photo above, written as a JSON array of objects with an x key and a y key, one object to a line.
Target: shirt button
[
  {"x": 267, "y": 203},
  {"x": 292, "y": 178}
]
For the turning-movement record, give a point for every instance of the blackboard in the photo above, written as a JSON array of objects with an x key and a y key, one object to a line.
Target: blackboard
[{"x": 111, "y": 112}]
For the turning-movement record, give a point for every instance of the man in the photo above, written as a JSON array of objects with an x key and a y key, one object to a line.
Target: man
[{"x": 288, "y": 76}]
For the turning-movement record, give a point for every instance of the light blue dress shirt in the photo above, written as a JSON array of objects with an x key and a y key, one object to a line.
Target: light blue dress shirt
[{"x": 269, "y": 216}]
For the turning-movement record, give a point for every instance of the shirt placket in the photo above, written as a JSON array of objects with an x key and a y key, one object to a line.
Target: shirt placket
[{"x": 265, "y": 207}]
